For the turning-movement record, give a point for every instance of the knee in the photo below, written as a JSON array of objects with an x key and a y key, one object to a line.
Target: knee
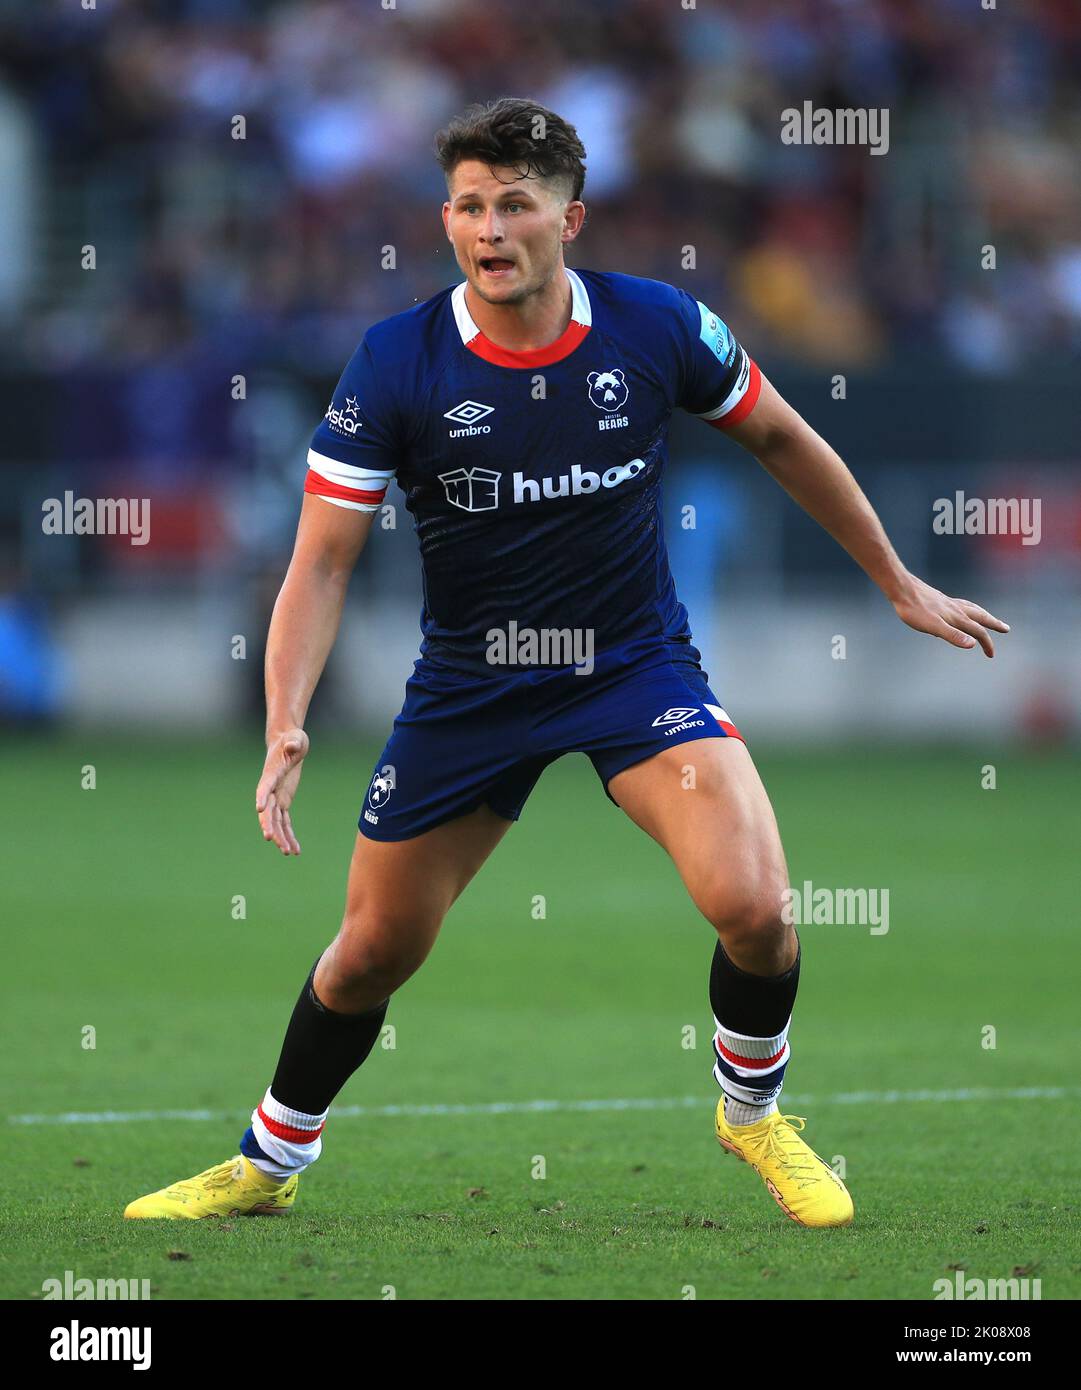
[
  {"x": 377, "y": 951},
  {"x": 748, "y": 915}
]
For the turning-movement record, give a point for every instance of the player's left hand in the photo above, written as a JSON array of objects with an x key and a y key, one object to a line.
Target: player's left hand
[{"x": 956, "y": 620}]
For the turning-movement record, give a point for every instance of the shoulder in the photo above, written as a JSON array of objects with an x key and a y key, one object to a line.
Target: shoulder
[
  {"x": 402, "y": 334},
  {"x": 402, "y": 354},
  {"x": 617, "y": 291},
  {"x": 652, "y": 316}
]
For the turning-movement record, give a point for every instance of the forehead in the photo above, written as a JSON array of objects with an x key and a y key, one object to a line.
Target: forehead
[{"x": 474, "y": 177}]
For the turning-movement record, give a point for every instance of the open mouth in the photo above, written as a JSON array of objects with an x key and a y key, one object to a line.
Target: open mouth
[{"x": 496, "y": 266}]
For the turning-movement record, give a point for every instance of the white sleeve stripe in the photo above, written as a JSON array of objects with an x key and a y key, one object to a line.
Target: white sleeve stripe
[
  {"x": 348, "y": 473},
  {"x": 735, "y": 395},
  {"x": 344, "y": 502}
]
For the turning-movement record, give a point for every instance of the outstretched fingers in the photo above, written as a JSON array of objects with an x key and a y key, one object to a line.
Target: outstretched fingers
[
  {"x": 277, "y": 826},
  {"x": 975, "y": 622},
  {"x": 981, "y": 615}
]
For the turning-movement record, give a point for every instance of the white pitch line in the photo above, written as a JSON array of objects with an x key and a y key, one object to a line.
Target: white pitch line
[{"x": 533, "y": 1107}]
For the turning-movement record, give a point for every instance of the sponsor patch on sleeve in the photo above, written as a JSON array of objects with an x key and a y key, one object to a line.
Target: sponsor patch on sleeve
[{"x": 714, "y": 333}]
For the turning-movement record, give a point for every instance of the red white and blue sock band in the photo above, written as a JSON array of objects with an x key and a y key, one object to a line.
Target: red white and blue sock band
[
  {"x": 750, "y": 1071},
  {"x": 285, "y": 1140}
]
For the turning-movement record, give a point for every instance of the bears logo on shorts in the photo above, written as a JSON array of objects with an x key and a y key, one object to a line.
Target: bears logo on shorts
[{"x": 380, "y": 791}]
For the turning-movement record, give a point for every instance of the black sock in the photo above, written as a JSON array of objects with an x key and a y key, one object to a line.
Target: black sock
[
  {"x": 750, "y": 1047},
  {"x": 322, "y": 1050},
  {"x": 757, "y": 1005}
]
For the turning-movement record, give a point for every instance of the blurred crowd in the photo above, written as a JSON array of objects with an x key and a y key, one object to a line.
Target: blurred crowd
[
  {"x": 151, "y": 257},
  {"x": 117, "y": 125}
]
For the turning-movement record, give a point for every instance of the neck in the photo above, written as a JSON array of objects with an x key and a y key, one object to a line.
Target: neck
[{"x": 532, "y": 323}]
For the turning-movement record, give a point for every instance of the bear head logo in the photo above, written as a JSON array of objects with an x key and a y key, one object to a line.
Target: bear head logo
[{"x": 608, "y": 390}]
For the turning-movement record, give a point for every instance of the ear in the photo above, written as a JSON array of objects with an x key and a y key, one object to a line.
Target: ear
[{"x": 592, "y": 378}]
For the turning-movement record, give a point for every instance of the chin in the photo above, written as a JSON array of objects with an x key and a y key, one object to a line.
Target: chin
[{"x": 500, "y": 294}]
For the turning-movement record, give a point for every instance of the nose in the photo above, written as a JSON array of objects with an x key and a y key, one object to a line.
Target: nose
[{"x": 492, "y": 227}]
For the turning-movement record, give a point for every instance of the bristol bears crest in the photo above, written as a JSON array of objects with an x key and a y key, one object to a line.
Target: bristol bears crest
[
  {"x": 608, "y": 390},
  {"x": 381, "y": 788}
]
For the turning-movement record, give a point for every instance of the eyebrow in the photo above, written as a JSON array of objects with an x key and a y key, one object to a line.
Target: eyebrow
[{"x": 518, "y": 194}]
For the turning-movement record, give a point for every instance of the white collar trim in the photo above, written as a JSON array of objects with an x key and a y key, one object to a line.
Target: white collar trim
[{"x": 581, "y": 309}]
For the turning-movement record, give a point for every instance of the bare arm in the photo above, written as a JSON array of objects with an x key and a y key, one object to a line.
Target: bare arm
[
  {"x": 302, "y": 632},
  {"x": 814, "y": 475}
]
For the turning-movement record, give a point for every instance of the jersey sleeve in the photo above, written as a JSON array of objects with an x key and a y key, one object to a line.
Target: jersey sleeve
[
  {"x": 355, "y": 450},
  {"x": 721, "y": 383}
]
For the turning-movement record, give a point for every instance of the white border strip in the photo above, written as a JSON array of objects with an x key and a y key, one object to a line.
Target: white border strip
[
  {"x": 534, "y": 1107},
  {"x": 581, "y": 308}
]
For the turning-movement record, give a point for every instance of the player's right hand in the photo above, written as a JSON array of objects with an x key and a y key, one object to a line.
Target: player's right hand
[{"x": 278, "y": 786}]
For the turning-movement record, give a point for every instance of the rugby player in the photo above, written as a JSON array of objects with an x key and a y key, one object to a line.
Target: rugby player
[{"x": 524, "y": 414}]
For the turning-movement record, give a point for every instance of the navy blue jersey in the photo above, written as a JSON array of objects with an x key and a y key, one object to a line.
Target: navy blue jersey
[{"x": 533, "y": 478}]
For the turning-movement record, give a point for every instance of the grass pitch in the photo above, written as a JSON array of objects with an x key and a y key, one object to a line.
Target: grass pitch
[{"x": 120, "y": 910}]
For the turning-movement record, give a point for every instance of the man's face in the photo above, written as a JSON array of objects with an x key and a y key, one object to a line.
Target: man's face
[{"x": 507, "y": 231}]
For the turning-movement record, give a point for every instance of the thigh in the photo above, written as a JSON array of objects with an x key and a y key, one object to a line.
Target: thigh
[
  {"x": 421, "y": 877},
  {"x": 705, "y": 804},
  {"x": 398, "y": 895}
]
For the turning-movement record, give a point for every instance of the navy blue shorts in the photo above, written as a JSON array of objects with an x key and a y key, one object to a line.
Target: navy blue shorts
[{"x": 461, "y": 741}]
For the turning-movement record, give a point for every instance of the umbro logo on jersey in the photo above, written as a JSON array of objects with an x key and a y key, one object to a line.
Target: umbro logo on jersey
[{"x": 467, "y": 414}]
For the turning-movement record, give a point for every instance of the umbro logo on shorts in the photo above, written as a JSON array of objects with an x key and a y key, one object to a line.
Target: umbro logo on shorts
[
  {"x": 678, "y": 718},
  {"x": 674, "y": 716}
]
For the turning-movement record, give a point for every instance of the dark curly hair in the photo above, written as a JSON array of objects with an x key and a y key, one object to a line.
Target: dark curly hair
[{"x": 518, "y": 134}]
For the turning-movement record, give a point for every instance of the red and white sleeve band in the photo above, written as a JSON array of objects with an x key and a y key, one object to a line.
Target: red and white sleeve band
[
  {"x": 740, "y": 401},
  {"x": 346, "y": 485}
]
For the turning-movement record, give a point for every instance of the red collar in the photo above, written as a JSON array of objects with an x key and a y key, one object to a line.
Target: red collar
[
  {"x": 563, "y": 346},
  {"x": 571, "y": 337}
]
